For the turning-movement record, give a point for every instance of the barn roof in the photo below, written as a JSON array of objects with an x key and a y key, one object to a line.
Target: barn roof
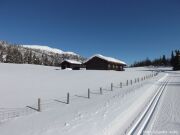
[
  {"x": 109, "y": 59},
  {"x": 73, "y": 61}
]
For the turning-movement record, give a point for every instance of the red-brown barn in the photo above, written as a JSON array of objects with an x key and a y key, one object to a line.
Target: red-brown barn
[{"x": 100, "y": 62}]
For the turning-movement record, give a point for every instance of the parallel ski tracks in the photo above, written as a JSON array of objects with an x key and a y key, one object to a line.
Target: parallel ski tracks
[{"x": 141, "y": 123}]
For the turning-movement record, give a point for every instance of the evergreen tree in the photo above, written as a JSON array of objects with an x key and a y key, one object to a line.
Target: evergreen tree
[
  {"x": 164, "y": 62},
  {"x": 17, "y": 56},
  {"x": 45, "y": 60},
  {"x": 156, "y": 62},
  {"x": 172, "y": 58},
  {"x": 30, "y": 57},
  {"x": 9, "y": 56},
  {"x": 42, "y": 60},
  {"x": 147, "y": 62},
  {"x": 1, "y": 47},
  {"x": 1, "y": 56},
  {"x": 177, "y": 61},
  {"x": 35, "y": 60},
  {"x": 26, "y": 54}
]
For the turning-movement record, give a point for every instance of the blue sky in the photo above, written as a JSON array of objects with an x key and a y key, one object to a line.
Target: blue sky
[{"x": 126, "y": 29}]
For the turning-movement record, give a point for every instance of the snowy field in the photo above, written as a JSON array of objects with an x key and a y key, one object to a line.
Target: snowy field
[
  {"x": 110, "y": 113},
  {"x": 21, "y": 85},
  {"x": 166, "y": 118}
]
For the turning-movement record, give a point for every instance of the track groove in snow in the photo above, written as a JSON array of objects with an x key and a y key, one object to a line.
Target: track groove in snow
[
  {"x": 107, "y": 114},
  {"x": 143, "y": 120},
  {"x": 166, "y": 118}
]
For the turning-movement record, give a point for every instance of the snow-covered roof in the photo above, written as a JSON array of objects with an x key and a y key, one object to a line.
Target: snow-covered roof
[
  {"x": 109, "y": 59},
  {"x": 73, "y": 61}
]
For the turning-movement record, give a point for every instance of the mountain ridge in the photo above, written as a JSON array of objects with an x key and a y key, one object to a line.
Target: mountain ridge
[
  {"x": 35, "y": 54},
  {"x": 48, "y": 49}
]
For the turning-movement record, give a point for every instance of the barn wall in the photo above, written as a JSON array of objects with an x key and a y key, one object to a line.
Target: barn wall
[
  {"x": 100, "y": 64},
  {"x": 65, "y": 65},
  {"x": 97, "y": 64},
  {"x": 115, "y": 66}
]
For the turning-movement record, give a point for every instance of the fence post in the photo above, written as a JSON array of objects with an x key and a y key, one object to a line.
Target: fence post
[
  {"x": 135, "y": 80},
  {"x": 127, "y": 83},
  {"x": 120, "y": 84},
  {"x": 68, "y": 98},
  {"x": 101, "y": 91},
  {"x": 88, "y": 93},
  {"x": 111, "y": 86},
  {"x": 39, "y": 105},
  {"x": 131, "y": 82}
]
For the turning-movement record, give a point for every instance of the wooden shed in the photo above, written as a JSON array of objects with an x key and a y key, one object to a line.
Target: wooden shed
[
  {"x": 100, "y": 62},
  {"x": 73, "y": 64}
]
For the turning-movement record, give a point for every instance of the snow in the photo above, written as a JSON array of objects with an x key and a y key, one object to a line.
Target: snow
[
  {"x": 48, "y": 49},
  {"x": 167, "y": 114},
  {"x": 111, "y": 113},
  {"x": 110, "y": 59},
  {"x": 34, "y": 81},
  {"x": 73, "y": 61}
]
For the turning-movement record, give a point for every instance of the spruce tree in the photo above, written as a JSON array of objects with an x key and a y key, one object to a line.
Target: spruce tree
[
  {"x": 172, "y": 58},
  {"x": 164, "y": 62},
  {"x": 30, "y": 57},
  {"x": 1, "y": 56},
  {"x": 9, "y": 56},
  {"x": 177, "y": 61}
]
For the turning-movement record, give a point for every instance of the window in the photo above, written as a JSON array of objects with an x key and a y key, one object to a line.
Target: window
[{"x": 109, "y": 66}]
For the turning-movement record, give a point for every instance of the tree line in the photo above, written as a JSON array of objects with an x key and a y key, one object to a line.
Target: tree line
[
  {"x": 12, "y": 53},
  {"x": 161, "y": 61}
]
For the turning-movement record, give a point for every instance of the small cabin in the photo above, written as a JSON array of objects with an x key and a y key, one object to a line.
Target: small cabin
[
  {"x": 100, "y": 62},
  {"x": 73, "y": 64}
]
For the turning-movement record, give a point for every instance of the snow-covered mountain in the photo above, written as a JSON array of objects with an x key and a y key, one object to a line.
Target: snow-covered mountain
[
  {"x": 48, "y": 49},
  {"x": 35, "y": 54}
]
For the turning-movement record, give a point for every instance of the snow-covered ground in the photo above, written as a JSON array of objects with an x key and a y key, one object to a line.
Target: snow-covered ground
[
  {"x": 112, "y": 113},
  {"x": 166, "y": 118},
  {"x": 21, "y": 85},
  {"x": 48, "y": 49}
]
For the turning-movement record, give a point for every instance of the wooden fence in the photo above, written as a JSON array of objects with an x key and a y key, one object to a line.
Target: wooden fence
[{"x": 9, "y": 113}]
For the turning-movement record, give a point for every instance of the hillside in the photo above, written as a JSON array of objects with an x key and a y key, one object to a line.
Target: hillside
[{"x": 34, "y": 54}]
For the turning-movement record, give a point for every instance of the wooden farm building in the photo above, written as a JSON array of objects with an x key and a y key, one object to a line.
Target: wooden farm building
[
  {"x": 100, "y": 62},
  {"x": 75, "y": 65}
]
